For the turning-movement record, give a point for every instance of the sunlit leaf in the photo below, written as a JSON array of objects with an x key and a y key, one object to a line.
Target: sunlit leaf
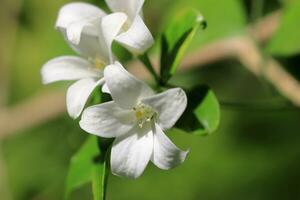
[
  {"x": 208, "y": 113},
  {"x": 175, "y": 41},
  {"x": 82, "y": 166},
  {"x": 202, "y": 115},
  {"x": 225, "y": 18},
  {"x": 286, "y": 40}
]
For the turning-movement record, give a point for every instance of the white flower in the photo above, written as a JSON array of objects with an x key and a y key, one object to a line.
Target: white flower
[
  {"x": 125, "y": 25},
  {"x": 80, "y": 25},
  {"x": 136, "y": 118}
]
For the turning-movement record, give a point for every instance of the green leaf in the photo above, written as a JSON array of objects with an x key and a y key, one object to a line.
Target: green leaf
[
  {"x": 286, "y": 41},
  {"x": 226, "y": 18},
  {"x": 83, "y": 166},
  {"x": 175, "y": 41},
  {"x": 208, "y": 114},
  {"x": 202, "y": 115}
]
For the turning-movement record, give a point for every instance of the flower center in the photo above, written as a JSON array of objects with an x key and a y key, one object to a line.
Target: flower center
[
  {"x": 98, "y": 63},
  {"x": 143, "y": 114}
]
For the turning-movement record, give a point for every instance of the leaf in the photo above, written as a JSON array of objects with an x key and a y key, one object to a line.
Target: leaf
[
  {"x": 208, "y": 114},
  {"x": 225, "y": 18},
  {"x": 82, "y": 166},
  {"x": 202, "y": 115},
  {"x": 286, "y": 41},
  {"x": 175, "y": 41}
]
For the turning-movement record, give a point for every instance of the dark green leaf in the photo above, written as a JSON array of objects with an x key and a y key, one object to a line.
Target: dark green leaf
[
  {"x": 286, "y": 40},
  {"x": 175, "y": 40},
  {"x": 202, "y": 115},
  {"x": 208, "y": 113},
  {"x": 82, "y": 166}
]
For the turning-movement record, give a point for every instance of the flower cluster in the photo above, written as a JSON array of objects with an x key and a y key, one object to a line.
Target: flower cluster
[{"x": 136, "y": 117}]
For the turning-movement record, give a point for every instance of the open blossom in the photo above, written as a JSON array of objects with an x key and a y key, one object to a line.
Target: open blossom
[
  {"x": 124, "y": 25},
  {"x": 92, "y": 47},
  {"x": 136, "y": 118}
]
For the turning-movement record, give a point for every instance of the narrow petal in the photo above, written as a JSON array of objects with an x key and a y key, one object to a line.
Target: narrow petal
[
  {"x": 165, "y": 154},
  {"x": 111, "y": 26},
  {"x": 131, "y": 153},
  {"x": 68, "y": 68},
  {"x": 78, "y": 94},
  {"x": 125, "y": 89},
  {"x": 130, "y": 7},
  {"x": 107, "y": 120},
  {"x": 137, "y": 39},
  {"x": 169, "y": 105}
]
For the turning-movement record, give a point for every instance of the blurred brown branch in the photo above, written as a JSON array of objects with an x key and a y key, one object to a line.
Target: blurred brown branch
[{"x": 52, "y": 104}]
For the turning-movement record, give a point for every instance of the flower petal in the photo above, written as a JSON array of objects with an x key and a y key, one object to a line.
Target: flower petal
[
  {"x": 130, "y": 7},
  {"x": 137, "y": 39},
  {"x": 111, "y": 26},
  {"x": 74, "y": 12},
  {"x": 107, "y": 120},
  {"x": 131, "y": 153},
  {"x": 68, "y": 68},
  {"x": 169, "y": 105},
  {"x": 80, "y": 25},
  {"x": 125, "y": 89},
  {"x": 78, "y": 94},
  {"x": 165, "y": 154},
  {"x": 91, "y": 47},
  {"x": 77, "y": 15},
  {"x": 105, "y": 89}
]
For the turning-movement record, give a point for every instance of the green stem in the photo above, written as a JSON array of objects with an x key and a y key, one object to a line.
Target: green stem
[
  {"x": 105, "y": 174},
  {"x": 146, "y": 61},
  {"x": 102, "y": 169}
]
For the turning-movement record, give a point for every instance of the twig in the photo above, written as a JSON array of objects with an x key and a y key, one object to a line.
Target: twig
[{"x": 31, "y": 112}]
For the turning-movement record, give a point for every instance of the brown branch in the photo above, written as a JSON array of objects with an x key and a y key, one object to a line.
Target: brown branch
[
  {"x": 44, "y": 107},
  {"x": 31, "y": 112}
]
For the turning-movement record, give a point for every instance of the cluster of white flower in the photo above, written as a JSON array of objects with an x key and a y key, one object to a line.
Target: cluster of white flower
[{"x": 137, "y": 116}]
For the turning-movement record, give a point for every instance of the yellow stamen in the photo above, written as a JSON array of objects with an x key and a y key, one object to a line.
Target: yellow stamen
[{"x": 99, "y": 64}]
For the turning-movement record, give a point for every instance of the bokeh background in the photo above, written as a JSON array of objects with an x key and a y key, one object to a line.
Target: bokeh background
[{"x": 254, "y": 155}]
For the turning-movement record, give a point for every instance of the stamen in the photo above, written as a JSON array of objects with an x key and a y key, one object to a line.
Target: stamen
[
  {"x": 99, "y": 64},
  {"x": 143, "y": 114}
]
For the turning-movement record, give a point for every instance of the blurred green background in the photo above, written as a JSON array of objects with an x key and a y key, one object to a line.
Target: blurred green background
[{"x": 254, "y": 155}]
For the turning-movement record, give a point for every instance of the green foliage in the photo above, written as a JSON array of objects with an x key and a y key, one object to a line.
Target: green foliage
[
  {"x": 82, "y": 166},
  {"x": 225, "y": 18},
  {"x": 286, "y": 41},
  {"x": 202, "y": 116},
  {"x": 208, "y": 113},
  {"x": 175, "y": 41}
]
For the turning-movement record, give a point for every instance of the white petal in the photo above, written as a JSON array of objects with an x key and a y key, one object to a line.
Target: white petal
[
  {"x": 165, "y": 154},
  {"x": 125, "y": 89},
  {"x": 78, "y": 94},
  {"x": 137, "y": 39},
  {"x": 105, "y": 89},
  {"x": 68, "y": 68},
  {"x": 130, "y": 7},
  {"x": 107, "y": 120},
  {"x": 131, "y": 153},
  {"x": 169, "y": 105},
  {"x": 74, "y": 12},
  {"x": 111, "y": 26},
  {"x": 80, "y": 23},
  {"x": 93, "y": 47}
]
